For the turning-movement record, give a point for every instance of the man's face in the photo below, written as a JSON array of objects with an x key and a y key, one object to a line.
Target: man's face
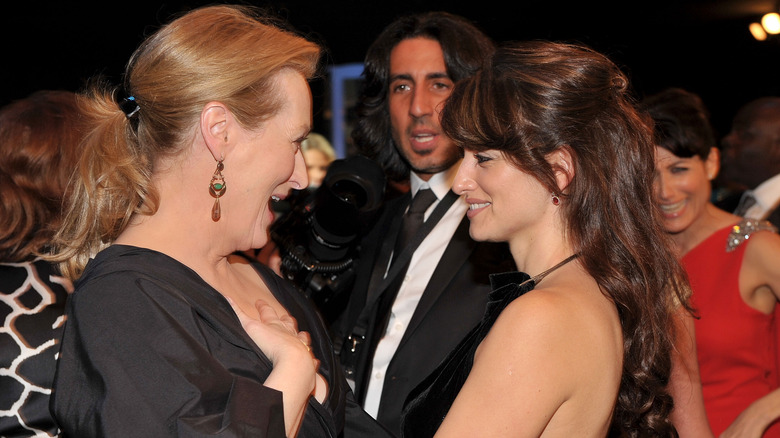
[
  {"x": 751, "y": 151},
  {"x": 419, "y": 85}
]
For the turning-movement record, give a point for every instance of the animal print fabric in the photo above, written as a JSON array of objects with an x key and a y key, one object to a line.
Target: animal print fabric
[{"x": 32, "y": 302}]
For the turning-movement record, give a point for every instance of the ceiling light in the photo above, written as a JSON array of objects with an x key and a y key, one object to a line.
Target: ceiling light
[
  {"x": 758, "y": 32},
  {"x": 771, "y": 23}
]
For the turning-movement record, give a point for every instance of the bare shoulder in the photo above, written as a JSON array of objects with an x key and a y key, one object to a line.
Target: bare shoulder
[
  {"x": 554, "y": 354},
  {"x": 572, "y": 314},
  {"x": 540, "y": 310},
  {"x": 559, "y": 306},
  {"x": 763, "y": 250},
  {"x": 763, "y": 240}
]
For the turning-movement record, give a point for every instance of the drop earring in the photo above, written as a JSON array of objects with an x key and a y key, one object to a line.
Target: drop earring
[
  {"x": 217, "y": 188},
  {"x": 555, "y": 199}
]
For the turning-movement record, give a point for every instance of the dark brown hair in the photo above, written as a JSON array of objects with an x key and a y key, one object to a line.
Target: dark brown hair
[
  {"x": 39, "y": 138},
  {"x": 681, "y": 123},
  {"x": 533, "y": 98}
]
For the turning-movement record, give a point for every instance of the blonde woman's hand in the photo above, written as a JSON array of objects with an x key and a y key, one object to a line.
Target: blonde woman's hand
[
  {"x": 294, "y": 366},
  {"x": 277, "y": 336}
]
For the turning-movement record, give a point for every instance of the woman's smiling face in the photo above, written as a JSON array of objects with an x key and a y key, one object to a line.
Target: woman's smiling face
[
  {"x": 682, "y": 187},
  {"x": 504, "y": 202}
]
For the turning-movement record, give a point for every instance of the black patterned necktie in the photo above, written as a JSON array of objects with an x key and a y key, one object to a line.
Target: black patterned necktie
[
  {"x": 412, "y": 221},
  {"x": 382, "y": 309},
  {"x": 745, "y": 202},
  {"x": 413, "y": 218}
]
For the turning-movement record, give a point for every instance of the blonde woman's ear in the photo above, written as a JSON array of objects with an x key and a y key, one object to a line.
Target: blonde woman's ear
[{"x": 214, "y": 128}]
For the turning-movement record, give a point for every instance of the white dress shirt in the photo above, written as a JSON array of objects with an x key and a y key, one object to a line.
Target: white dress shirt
[
  {"x": 767, "y": 196},
  {"x": 421, "y": 267}
]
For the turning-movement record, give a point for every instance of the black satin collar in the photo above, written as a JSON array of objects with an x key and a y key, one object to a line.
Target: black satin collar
[{"x": 497, "y": 281}]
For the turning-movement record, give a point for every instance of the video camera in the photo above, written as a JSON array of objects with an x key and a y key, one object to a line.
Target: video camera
[{"x": 318, "y": 238}]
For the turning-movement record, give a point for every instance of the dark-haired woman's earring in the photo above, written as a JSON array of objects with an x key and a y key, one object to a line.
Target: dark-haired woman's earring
[
  {"x": 555, "y": 199},
  {"x": 217, "y": 188}
]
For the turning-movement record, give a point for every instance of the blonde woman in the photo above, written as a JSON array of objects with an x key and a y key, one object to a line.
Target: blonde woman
[{"x": 178, "y": 173}]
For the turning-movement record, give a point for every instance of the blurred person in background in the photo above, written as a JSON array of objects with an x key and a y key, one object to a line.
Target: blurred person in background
[
  {"x": 318, "y": 154},
  {"x": 732, "y": 265},
  {"x": 751, "y": 162},
  {"x": 39, "y": 148}
]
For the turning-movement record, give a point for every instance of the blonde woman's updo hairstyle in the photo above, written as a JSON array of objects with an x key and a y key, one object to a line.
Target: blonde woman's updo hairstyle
[{"x": 230, "y": 54}]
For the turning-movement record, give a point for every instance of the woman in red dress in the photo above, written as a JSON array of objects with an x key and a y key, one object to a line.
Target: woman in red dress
[{"x": 734, "y": 270}]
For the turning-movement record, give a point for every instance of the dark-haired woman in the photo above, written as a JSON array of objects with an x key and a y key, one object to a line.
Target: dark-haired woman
[
  {"x": 732, "y": 264},
  {"x": 559, "y": 164}
]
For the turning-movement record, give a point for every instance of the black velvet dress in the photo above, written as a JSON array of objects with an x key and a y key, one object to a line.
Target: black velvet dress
[
  {"x": 151, "y": 350},
  {"x": 429, "y": 403}
]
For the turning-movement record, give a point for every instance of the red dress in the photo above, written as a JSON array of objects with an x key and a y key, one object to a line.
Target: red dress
[{"x": 737, "y": 345}]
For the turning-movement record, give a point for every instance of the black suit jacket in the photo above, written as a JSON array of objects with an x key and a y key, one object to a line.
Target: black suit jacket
[{"x": 453, "y": 302}]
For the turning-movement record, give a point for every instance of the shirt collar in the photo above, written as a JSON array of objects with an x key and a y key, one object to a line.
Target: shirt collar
[
  {"x": 440, "y": 183},
  {"x": 768, "y": 192}
]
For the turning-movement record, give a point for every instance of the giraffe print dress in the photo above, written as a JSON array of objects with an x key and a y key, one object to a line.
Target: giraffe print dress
[{"x": 32, "y": 302}]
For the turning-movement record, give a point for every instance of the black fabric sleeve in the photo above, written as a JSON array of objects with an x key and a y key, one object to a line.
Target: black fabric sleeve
[
  {"x": 358, "y": 424},
  {"x": 138, "y": 360}
]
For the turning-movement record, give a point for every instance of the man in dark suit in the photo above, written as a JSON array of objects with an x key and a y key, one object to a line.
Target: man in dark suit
[
  {"x": 410, "y": 307},
  {"x": 751, "y": 159}
]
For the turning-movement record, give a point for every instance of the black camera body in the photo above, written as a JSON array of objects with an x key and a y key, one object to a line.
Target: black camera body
[{"x": 318, "y": 239}]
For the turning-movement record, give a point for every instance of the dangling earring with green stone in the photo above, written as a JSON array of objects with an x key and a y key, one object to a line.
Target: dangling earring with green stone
[{"x": 217, "y": 188}]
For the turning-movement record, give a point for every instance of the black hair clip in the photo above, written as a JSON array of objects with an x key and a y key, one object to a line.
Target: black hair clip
[{"x": 129, "y": 106}]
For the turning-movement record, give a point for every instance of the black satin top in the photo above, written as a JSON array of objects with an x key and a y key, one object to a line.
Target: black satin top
[
  {"x": 151, "y": 350},
  {"x": 429, "y": 403}
]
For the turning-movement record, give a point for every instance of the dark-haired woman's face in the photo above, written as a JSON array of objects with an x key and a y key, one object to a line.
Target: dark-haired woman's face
[
  {"x": 682, "y": 187},
  {"x": 505, "y": 203}
]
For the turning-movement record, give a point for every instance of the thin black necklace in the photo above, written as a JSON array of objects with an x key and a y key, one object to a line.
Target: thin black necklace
[{"x": 536, "y": 279}]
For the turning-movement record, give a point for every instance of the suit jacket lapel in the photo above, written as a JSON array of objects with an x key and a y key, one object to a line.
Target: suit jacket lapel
[
  {"x": 395, "y": 207},
  {"x": 457, "y": 253}
]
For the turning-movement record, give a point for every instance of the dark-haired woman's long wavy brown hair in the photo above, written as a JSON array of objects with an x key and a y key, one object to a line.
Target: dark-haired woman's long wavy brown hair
[{"x": 536, "y": 97}]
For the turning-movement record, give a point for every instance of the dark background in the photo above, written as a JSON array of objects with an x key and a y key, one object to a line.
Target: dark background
[{"x": 703, "y": 46}]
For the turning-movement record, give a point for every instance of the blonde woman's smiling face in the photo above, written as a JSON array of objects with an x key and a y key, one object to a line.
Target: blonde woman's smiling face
[{"x": 272, "y": 162}]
